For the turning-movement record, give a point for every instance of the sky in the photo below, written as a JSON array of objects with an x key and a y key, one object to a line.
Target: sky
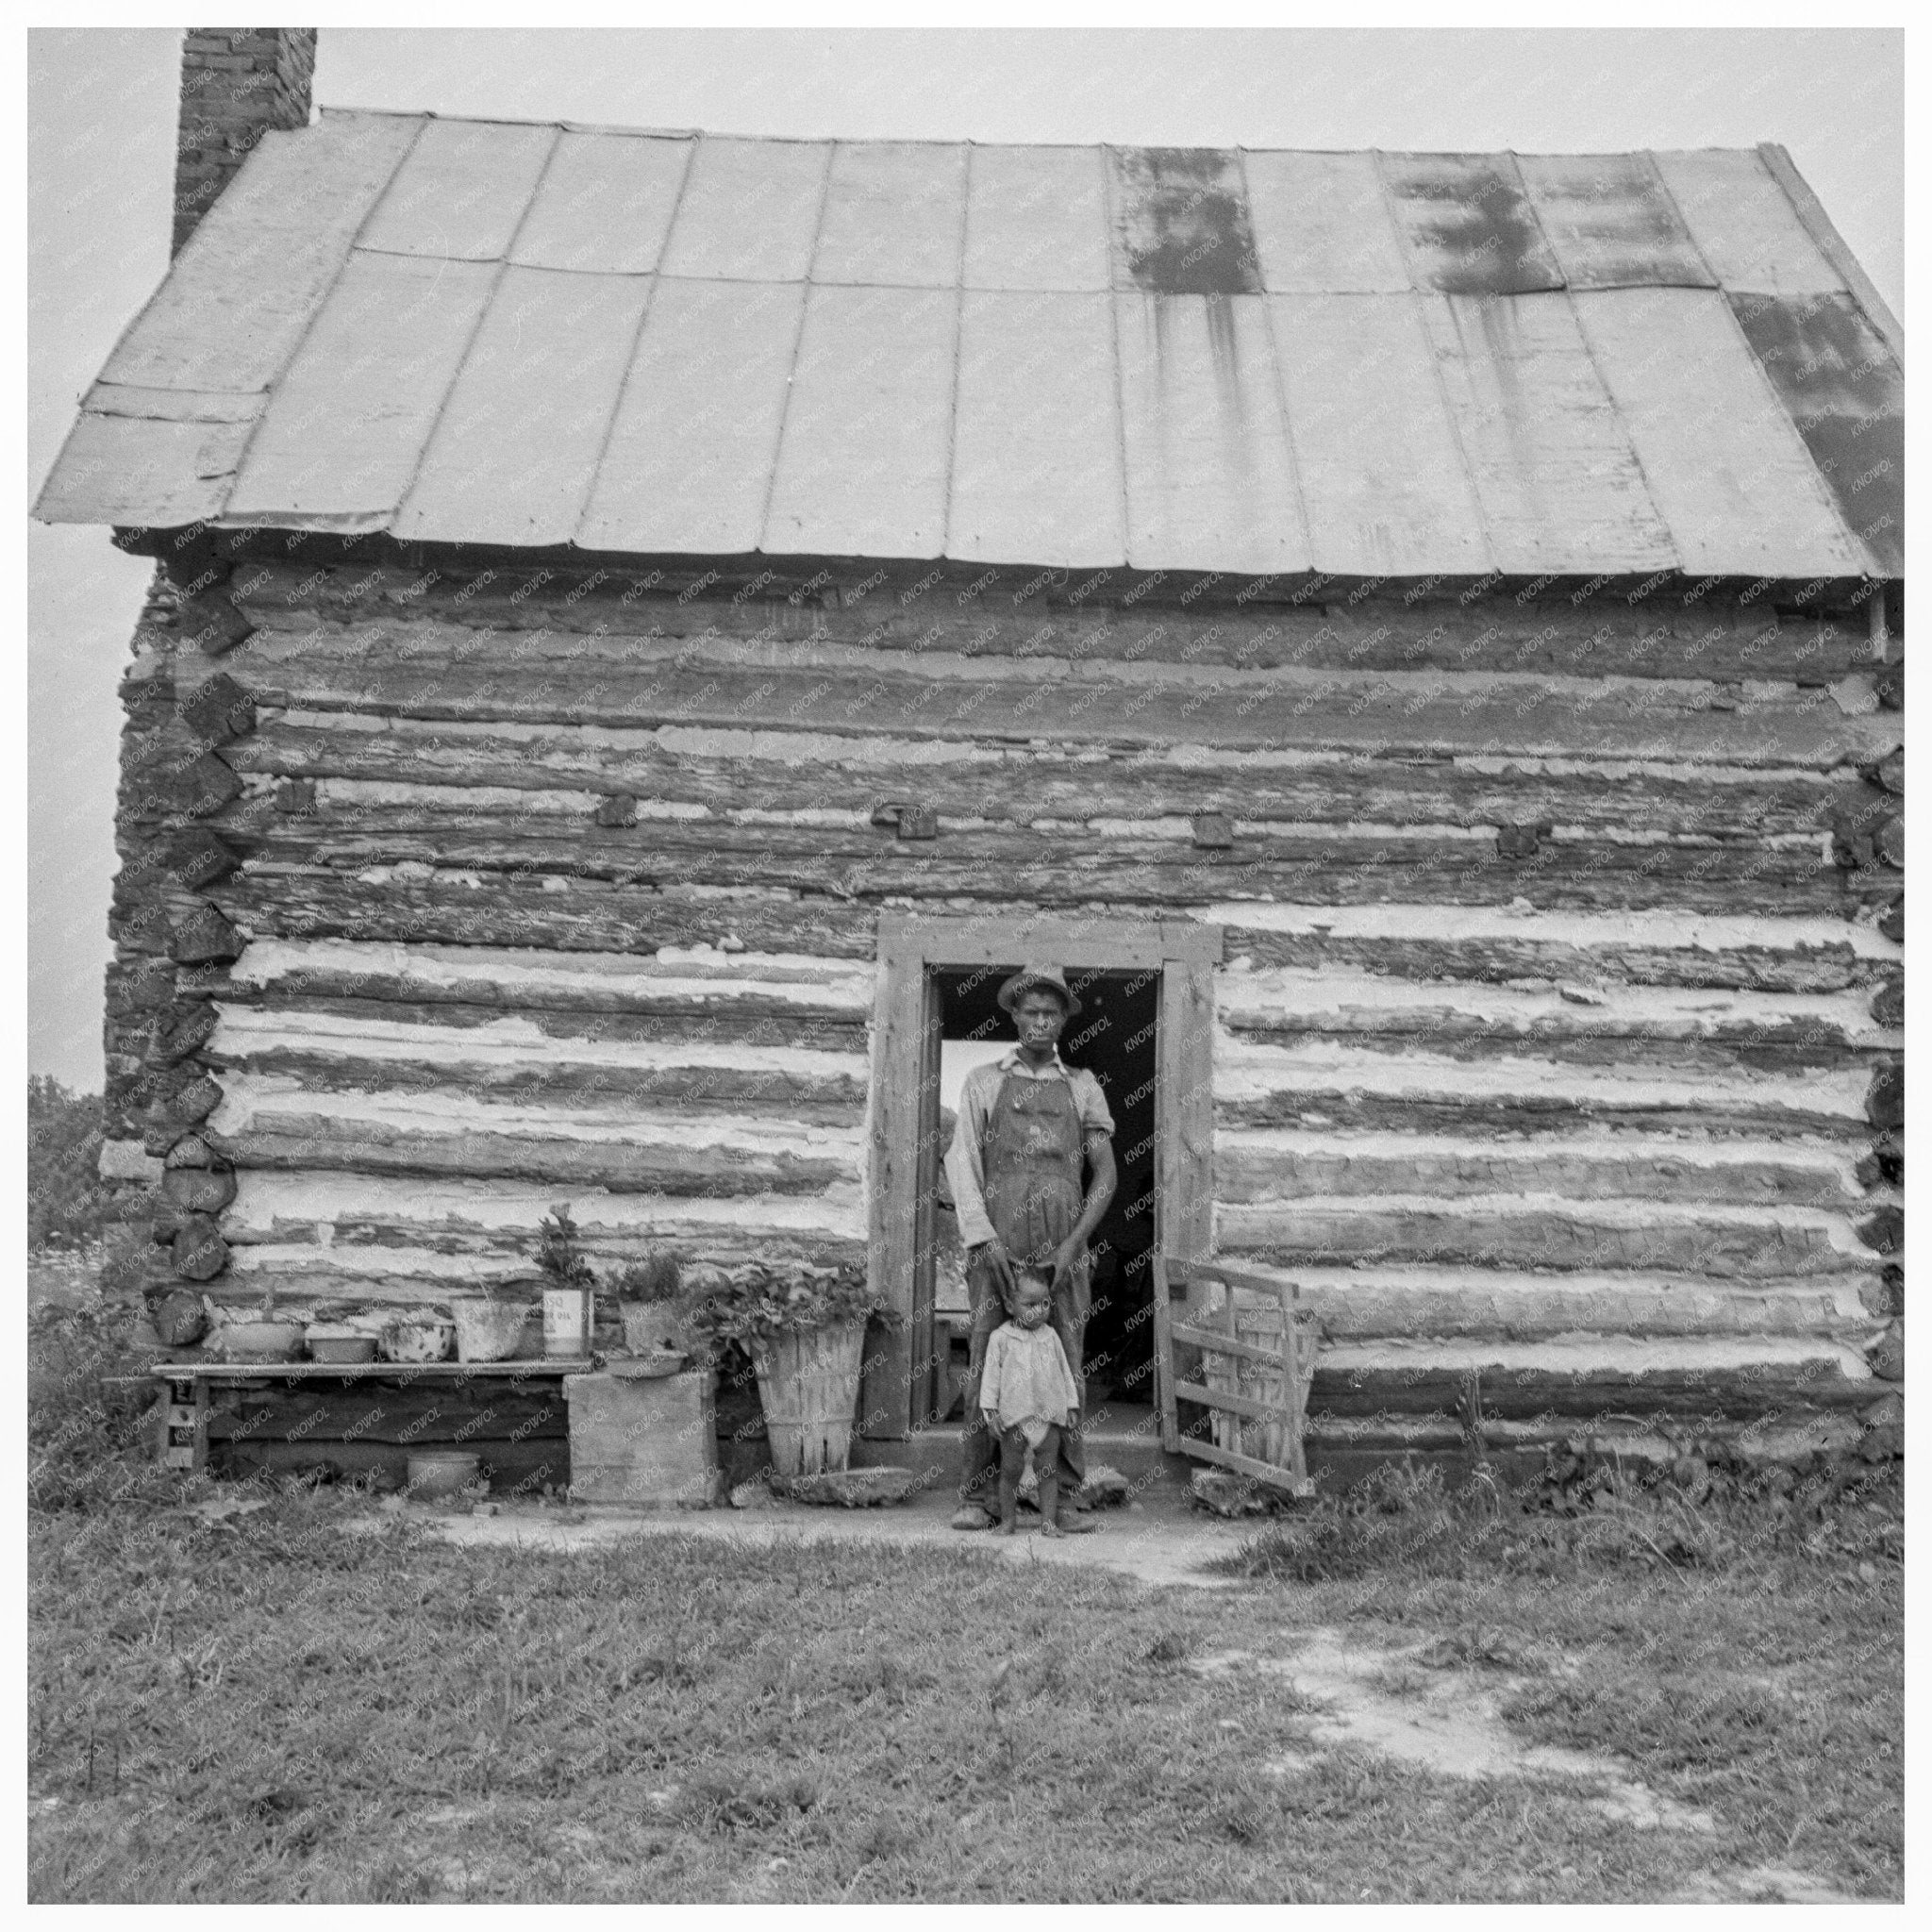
[{"x": 101, "y": 137}]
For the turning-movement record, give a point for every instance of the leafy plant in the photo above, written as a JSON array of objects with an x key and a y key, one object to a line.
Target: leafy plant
[
  {"x": 756, "y": 1300},
  {"x": 88, "y": 1445},
  {"x": 655, "y": 1278},
  {"x": 66, "y": 1204},
  {"x": 560, "y": 1252}
]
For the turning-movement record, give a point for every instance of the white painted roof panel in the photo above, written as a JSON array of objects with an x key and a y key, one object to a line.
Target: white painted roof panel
[
  {"x": 1744, "y": 224},
  {"x": 695, "y": 435},
  {"x": 862, "y": 464},
  {"x": 604, "y": 203},
  {"x": 1037, "y": 438},
  {"x": 517, "y": 442},
  {"x": 893, "y": 216}
]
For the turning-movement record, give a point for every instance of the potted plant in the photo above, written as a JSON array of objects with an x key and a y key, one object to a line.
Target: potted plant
[
  {"x": 570, "y": 1287},
  {"x": 803, "y": 1328},
  {"x": 650, "y": 1298}
]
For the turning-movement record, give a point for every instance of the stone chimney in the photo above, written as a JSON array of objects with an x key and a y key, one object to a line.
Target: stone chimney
[{"x": 236, "y": 83}]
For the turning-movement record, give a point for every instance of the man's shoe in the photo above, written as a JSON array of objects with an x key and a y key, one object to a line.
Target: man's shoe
[
  {"x": 971, "y": 1516},
  {"x": 1072, "y": 1523}
]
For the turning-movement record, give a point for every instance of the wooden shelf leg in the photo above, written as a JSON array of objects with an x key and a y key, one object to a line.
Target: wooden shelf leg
[{"x": 185, "y": 1414}]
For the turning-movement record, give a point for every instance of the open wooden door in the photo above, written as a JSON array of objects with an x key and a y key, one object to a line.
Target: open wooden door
[
  {"x": 896, "y": 1394},
  {"x": 1258, "y": 1353}
]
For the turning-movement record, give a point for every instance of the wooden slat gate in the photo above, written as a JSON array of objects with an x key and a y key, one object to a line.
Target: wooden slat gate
[{"x": 1287, "y": 1370}]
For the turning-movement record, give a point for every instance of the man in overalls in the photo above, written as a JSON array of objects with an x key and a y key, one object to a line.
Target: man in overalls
[{"x": 1030, "y": 1127}]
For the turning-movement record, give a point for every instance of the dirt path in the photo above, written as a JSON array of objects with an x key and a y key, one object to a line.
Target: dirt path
[
  {"x": 1399, "y": 1703},
  {"x": 1445, "y": 1721},
  {"x": 1155, "y": 1543}
]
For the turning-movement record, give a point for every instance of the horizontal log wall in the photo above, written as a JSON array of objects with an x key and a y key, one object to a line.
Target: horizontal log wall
[{"x": 1562, "y": 989}]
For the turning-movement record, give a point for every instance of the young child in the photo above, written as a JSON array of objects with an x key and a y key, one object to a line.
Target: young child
[{"x": 1027, "y": 1395}]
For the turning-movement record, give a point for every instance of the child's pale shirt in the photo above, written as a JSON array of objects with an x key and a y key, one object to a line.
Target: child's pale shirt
[{"x": 1026, "y": 1384}]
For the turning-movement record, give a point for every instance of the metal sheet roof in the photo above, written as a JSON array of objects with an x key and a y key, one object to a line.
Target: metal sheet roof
[{"x": 1172, "y": 359}]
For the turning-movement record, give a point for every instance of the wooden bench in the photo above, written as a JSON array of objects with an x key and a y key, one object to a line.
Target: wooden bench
[{"x": 189, "y": 1389}]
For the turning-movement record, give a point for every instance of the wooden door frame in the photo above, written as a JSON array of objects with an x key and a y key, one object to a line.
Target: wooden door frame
[{"x": 905, "y": 1155}]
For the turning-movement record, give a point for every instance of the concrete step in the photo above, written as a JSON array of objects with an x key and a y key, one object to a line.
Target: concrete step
[{"x": 1120, "y": 1437}]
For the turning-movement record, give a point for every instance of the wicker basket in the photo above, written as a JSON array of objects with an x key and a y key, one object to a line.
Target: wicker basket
[{"x": 808, "y": 1385}]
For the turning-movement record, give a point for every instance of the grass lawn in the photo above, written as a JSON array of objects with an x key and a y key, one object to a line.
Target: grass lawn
[
  {"x": 269, "y": 1709},
  {"x": 266, "y": 1708}
]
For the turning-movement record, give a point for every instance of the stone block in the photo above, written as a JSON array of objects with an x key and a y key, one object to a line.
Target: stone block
[
  {"x": 1222, "y": 1492},
  {"x": 1105, "y": 1488},
  {"x": 1887, "y": 1353},
  {"x": 127, "y": 1160},
  {"x": 851, "y": 1488},
  {"x": 1225, "y": 1492},
  {"x": 651, "y": 1444}
]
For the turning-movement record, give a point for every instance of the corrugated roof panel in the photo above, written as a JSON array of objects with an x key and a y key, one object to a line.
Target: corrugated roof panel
[
  {"x": 1744, "y": 224},
  {"x": 862, "y": 463},
  {"x": 1610, "y": 222},
  {"x": 1846, "y": 395},
  {"x": 1180, "y": 221},
  {"x": 603, "y": 205},
  {"x": 893, "y": 215},
  {"x": 750, "y": 210},
  {"x": 1469, "y": 224},
  {"x": 1382, "y": 476},
  {"x": 1322, "y": 223},
  {"x": 1210, "y": 479},
  {"x": 254, "y": 271},
  {"x": 1036, "y": 218},
  {"x": 345, "y": 429},
  {"x": 1721, "y": 458},
  {"x": 138, "y": 470},
  {"x": 461, "y": 191},
  {"x": 690, "y": 459},
  {"x": 1559, "y": 485},
  {"x": 514, "y": 449},
  {"x": 1036, "y": 439}
]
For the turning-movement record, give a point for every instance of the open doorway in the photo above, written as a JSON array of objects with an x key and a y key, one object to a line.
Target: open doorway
[
  {"x": 1151, "y": 982},
  {"x": 1114, "y": 1037}
]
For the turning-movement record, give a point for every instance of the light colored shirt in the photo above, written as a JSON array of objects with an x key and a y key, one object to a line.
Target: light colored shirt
[
  {"x": 966, "y": 1156},
  {"x": 1026, "y": 1384}
]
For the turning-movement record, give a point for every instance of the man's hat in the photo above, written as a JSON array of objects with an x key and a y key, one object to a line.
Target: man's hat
[{"x": 1028, "y": 977}]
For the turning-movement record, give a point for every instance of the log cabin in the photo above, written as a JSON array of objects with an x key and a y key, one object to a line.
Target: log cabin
[{"x": 647, "y": 623}]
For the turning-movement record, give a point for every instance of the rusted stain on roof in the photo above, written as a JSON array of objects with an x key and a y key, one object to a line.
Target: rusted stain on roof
[
  {"x": 1841, "y": 387},
  {"x": 1469, "y": 224},
  {"x": 1431, "y": 365},
  {"x": 1181, "y": 222},
  {"x": 1208, "y": 465},
  {"x": 1610, "y": 223}
]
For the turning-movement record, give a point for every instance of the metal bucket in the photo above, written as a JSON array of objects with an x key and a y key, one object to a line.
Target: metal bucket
[
  {"x": 418, "y": 1338},
  {"x": 652, "y": 1325},
  {"x": 435, "y": 1474},
  {"x": 808, "y": 1384},
  {"x": 488, "y": 1331}
]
